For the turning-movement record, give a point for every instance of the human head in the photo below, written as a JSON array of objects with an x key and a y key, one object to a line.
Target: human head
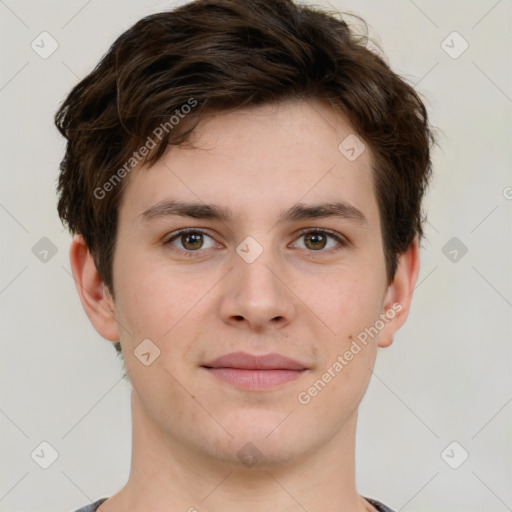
[
  {"x": 213, "y": 56},
  {"x": 255, "y": 117}
]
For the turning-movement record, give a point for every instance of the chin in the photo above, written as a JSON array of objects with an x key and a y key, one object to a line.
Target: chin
[
  {"x": 257, "y": 454},
  {"x": 259, "y": 439}
]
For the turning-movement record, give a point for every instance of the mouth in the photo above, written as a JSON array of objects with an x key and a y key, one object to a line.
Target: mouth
[{"x": 253, "y": 372}]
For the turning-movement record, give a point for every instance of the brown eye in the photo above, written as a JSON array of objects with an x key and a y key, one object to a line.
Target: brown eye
[
  {"x": 318, "y": 240},
  {"x": 190, "y": 240},
  {"x": 315, "y": 240}
]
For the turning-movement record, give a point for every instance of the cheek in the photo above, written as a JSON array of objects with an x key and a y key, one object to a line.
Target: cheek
[
  {"x": 349, "y": 306},
  {"x": 339, "y": 382},
  {"x": 161, "y": 304},
  {"x": 150, "y": 304},
  {"x": 348, "y": 302}
]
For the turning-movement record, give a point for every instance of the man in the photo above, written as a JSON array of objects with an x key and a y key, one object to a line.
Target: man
[{"x": 244, "y": 181}]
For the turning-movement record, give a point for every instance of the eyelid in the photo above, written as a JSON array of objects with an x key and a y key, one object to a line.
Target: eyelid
[
  {"x": 175, "y": 234},
  {"x": 342, "y": 241}
]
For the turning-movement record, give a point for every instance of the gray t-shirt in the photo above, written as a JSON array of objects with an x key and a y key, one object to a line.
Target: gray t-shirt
[{"x": 93, "y": 507}]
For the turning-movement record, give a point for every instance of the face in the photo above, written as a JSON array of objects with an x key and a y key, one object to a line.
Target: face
[{"x": 283, "y": 257}]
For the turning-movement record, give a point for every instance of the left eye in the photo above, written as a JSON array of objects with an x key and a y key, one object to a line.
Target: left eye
[{"x": 316, "y": 239}]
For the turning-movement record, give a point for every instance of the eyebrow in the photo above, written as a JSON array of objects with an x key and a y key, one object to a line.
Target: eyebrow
[{"x": 300, "y": 211}]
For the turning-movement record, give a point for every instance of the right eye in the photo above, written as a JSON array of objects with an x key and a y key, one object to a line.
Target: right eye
[{"x": 190, "y": 239}]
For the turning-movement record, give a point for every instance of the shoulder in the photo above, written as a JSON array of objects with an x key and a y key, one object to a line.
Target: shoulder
[
  {"x": 93, "y": 507},
  {"x": 378, "y": 505}
]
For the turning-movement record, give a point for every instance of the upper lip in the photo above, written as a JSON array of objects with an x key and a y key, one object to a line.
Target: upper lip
[{"x": 246, "y": 361}]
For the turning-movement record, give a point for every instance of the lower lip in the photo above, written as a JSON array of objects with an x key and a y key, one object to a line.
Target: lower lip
[{"x": 255, "y": 379}]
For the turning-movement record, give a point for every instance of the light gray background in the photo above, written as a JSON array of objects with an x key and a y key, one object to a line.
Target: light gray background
[{"x": 447, "y": 377}]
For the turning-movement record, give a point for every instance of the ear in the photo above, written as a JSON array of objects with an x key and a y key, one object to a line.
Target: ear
[
  {"x": 94, "y": 295},
  {"x": 398, "y": 296}
]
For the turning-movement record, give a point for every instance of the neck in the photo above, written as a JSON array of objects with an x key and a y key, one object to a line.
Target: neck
[{"x": 167, "y": 475}]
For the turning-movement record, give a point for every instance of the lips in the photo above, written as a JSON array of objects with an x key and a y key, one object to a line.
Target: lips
[
  {"x": 245, "y": 361},
  {"x": 255, "y": 373}
]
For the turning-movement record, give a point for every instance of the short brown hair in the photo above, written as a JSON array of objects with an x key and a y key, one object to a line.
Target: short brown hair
[{"x": 224, "y": 55}]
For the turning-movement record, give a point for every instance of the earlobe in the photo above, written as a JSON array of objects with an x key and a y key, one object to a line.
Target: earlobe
[
  {"x": 398, "y": 297},
  {"x": 94, "y": 295}
]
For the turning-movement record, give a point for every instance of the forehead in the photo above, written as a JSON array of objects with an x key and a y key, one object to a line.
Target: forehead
[{"x": 258, "y": 160}]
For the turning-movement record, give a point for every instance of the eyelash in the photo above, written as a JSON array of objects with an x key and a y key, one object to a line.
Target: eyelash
[{"x": 341, "y": 240}]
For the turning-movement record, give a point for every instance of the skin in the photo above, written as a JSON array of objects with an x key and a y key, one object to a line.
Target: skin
[{"x": 300, "y": 298}]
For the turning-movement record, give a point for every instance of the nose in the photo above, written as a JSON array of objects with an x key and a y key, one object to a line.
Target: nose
[{"x": 256, "y": 294}]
